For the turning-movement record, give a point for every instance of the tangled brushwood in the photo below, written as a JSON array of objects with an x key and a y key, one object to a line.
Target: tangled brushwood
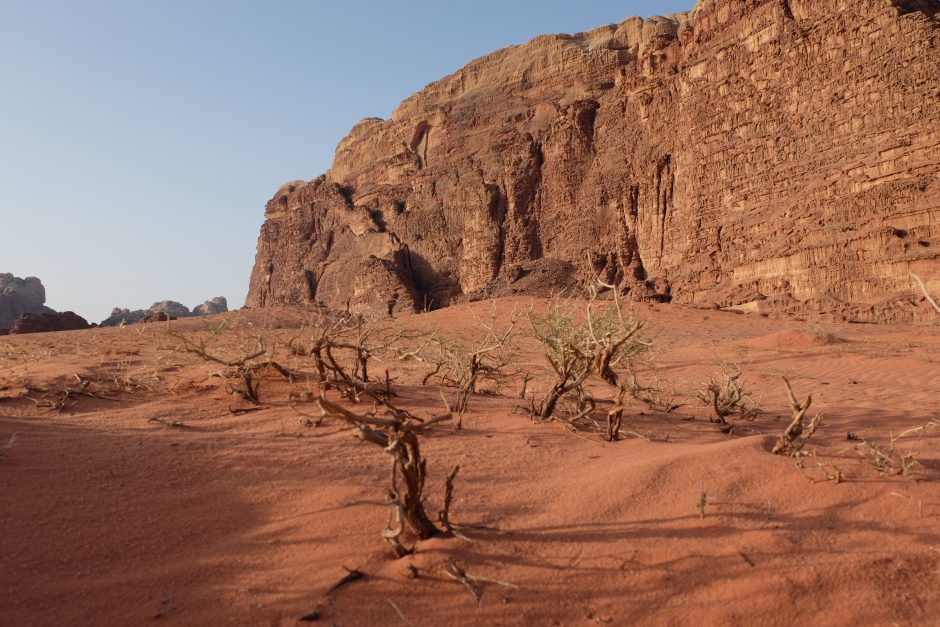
[
  {"x": 725, "y": 394},
  {"x": 486, "y": 361},
  {"x": 578, "y": 345},
  {"x": 239, "y": 368}
]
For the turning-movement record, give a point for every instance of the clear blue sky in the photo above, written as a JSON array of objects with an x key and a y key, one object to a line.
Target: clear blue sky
[{"x": 140, "y": 139}]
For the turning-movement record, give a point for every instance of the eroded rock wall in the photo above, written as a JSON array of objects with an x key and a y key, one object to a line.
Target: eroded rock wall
[{"x": 762, "y": 154}]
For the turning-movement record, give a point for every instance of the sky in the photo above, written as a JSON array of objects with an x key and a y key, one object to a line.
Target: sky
[{"x": 141, "y": 139}]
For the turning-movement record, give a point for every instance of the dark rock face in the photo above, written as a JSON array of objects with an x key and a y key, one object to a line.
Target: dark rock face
[
  {"x": 775, "y": 155},
  {"x": 19, "y": 296},
  {"x": 45, "y": 323}
]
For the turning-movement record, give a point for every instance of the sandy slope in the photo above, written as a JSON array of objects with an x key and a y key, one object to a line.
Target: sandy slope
[{"x": 109, "y": 518}]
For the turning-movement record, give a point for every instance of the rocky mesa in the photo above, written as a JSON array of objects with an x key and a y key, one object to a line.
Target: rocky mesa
[{"x": 767, "y": 155}]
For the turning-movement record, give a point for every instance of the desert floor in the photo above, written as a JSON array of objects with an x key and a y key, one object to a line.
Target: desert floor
[{"x": 136, "y": 492}]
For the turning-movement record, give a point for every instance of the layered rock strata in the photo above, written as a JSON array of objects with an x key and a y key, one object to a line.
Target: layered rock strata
[{"x": 759, "y": 154}]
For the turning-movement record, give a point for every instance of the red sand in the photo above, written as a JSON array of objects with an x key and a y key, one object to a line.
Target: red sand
[{"x": 110, "y": 518}]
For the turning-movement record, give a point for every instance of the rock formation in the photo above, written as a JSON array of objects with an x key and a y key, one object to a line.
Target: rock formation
[
  {"x": 212, "y": 306},
  {"x": 164, "y": 310},
  {"x": 19, "y": 296},
  {"x": 758, "y": 154},
  {"x": 45, "y": 323}
]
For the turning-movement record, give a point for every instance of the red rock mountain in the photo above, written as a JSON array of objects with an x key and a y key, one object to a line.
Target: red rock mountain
[{"x": 763, "y": 154}]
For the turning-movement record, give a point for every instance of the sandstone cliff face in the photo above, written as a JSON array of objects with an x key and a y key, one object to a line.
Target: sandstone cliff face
[{"x": 761, "y": 154}]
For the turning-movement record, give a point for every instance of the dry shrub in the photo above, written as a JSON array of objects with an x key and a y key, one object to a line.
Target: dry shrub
[
  {"x": 824, "y": 336},
  {"x": 578, "y": 346},
  {"x": 463, "y": 368},
  {"x": 253, "y": 357},
  {"x": 726, "y": 395},
  {"x": 889, "y": 460},
  {"x": 656, "y": 396},
  {"x": 398, "y": 437},
  {"x": 341, "y": 345},
  {"x": 800, "y": 430}
]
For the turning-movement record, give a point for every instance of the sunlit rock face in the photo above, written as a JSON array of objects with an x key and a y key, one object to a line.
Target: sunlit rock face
[{"x": 768, "y": 155}]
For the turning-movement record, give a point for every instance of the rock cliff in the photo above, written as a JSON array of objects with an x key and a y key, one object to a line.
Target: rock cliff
[{"x": 760, "y": 154}]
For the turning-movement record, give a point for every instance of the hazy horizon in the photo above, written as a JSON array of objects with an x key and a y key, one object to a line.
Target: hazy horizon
[{"x": 140, "y": 143}]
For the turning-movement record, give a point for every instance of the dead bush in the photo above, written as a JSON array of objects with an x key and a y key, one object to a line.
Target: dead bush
[
  {"x": 888, "y": 459},
  {"x": 65, "y": 396},
  {"x": 800, "y": 430},
  {"x": 578, "y": 346},
  {"x": 657, "y": 396},
  {"x": 726, "y": 395},
  {"x": 341, "y": 346},
  {"x": 254, "y": 357},
  {"x": 398, "y": 437},
  {"x": 487, "y": 360}
]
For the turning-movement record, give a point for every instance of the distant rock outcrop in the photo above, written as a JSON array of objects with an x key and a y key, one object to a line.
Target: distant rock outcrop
[
  {"x": 19, "y": 296},
  {"x": 45, "y": 323},
  {"x": 212, "y": 306},
  {"x": 164, "y": 310},
  {"x": 767, "y": 155}
]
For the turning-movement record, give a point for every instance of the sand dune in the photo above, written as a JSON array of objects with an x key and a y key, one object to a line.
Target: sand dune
[{"x": 113, "y": 516}]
